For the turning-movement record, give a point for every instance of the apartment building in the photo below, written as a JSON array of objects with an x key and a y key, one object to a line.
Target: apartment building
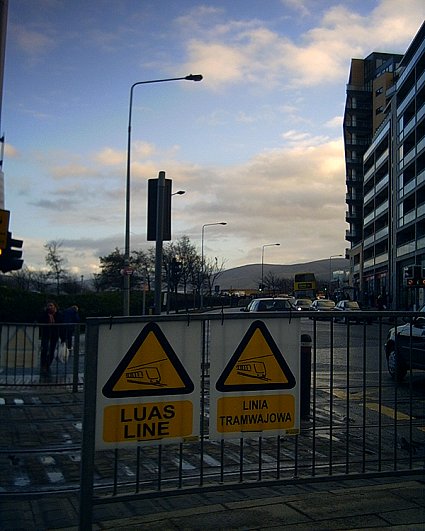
[{"x": 384, "y": 138}]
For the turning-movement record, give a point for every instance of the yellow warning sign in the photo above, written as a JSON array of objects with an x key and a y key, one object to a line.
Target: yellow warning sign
[
  {"x": 257, "y": 364},
  {"x": 255, "y": 413},
  {"x": 150, "y": 368},
  {"x": 147, "y": 422}
]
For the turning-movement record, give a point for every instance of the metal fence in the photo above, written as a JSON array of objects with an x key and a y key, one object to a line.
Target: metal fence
[
  {"x": 21, "y": 347},
  {"x": 356, "y": 421}
]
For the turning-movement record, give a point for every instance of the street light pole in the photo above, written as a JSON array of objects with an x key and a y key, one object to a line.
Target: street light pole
[
  {"x": 330, "y": 270},
  {"x": 201, "y": 287},
  {"x": 126, "y": 293},
  {"x": 262, "y": 260}
]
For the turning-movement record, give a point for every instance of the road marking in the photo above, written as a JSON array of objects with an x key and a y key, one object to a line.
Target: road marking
[
  {"x": 373, "y": 406},
  {"x": 390, "y": 412}
]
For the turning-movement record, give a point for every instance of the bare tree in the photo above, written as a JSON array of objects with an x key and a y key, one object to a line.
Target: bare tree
[
  {"x": 275, "y": 284},
  {"x": 212, "y": 271},
  {"x": 55, "y": 261},
  {"x": 23, "y": 279}
]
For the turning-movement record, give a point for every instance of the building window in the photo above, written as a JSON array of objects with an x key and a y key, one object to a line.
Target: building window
[
  {"x": 379, "y": 91},
  {"x": 379, "y": 110}
]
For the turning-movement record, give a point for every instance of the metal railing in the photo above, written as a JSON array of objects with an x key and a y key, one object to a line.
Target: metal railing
[
  {"x": 356, "y": 421},
  {"x": 360, "y": 422},
  {"x": 21, "y": 346}
]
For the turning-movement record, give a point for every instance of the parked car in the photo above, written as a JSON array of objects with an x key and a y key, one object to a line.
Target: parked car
[
  {"x": 302, "y": 304},
  {"x": 322, "y": 305},
  {"x": 406, "y": 349},
  {"x": 348, "y": 307},
  {"x": 277, "y": 304}
]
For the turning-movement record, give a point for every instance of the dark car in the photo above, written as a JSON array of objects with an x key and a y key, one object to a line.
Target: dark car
[
  {"x": 407, "y": 349},
  {"x": 302, "y": 304},
  {"x": 277, "y": 304}
]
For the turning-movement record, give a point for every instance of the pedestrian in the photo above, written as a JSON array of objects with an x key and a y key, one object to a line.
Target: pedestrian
[
  {"x": 70, "y": 318},
  {"x": 380, "y": 302},
  {"x": 50, "y": 333}
]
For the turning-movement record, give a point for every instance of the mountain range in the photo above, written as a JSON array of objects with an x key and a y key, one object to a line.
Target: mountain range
[{"x": 249, "y": 276}]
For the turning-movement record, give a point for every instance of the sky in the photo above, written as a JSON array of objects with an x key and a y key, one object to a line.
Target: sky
[{"x": 258, "y": 143}]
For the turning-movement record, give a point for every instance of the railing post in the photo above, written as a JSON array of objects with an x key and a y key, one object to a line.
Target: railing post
[
  {"x": 305, "y": 387},
  {"x": 76, "y": 351}
]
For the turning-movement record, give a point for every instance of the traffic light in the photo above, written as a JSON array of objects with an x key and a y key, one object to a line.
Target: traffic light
[
  {"x": 10, "y": 258},
  {"x": 414, "y": 276},
  {"x": 176, "y": 269}
]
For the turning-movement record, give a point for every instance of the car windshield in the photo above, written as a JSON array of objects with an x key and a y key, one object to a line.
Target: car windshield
[
  {"x": 273, "y": 305},
  {"x": 326, "y": 304}
]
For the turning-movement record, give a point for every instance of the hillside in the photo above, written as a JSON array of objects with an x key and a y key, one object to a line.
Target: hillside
[{"x": 248, "y": 276}]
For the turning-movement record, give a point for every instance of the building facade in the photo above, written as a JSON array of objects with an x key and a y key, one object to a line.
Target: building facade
[{"x": 384, "y": 138}]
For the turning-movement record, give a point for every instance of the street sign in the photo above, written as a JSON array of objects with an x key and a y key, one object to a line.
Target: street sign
[
  {"x": 148, "y": 384},
  {"x": 150, "y": 368},
  {"x": 4, "y": 227},
  {"x": 257, "y": 364},
  {"x": 255, "y": 367}
]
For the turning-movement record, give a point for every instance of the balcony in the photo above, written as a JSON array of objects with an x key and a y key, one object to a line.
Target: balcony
[
  {"x": 353, "y": 198},
  {"x": 406, "y": 248},
  {"x": 351, "y": 216},
  {"x": 351, "y": 235}
]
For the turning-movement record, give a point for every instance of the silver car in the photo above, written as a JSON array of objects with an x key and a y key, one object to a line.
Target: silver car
[{"x": 277, "y": 304}]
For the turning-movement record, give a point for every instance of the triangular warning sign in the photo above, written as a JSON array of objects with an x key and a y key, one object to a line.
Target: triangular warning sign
[
  {"x": 257, "y": 364},
  {"x": 150, "y": 368}
]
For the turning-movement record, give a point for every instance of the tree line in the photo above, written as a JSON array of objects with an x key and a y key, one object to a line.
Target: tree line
[{"x": 182, "y": 271}]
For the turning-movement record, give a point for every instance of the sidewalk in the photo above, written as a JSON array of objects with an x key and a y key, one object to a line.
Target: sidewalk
[{"x": 392, "y": 502}]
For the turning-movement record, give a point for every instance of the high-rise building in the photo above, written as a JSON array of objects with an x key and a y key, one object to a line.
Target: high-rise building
[{"x": 384, "y": 138}]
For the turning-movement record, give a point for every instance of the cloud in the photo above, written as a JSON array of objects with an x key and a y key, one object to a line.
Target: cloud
[
  {"x": 10, "y": 151},
  {"x": 251, "y": 53},
  {"x": 34, "y": 43},
  {"x": 110, "y": 157},
  {"x": 294, "y": 194}
]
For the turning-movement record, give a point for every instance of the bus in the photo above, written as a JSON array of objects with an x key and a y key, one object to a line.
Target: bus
[{"x": 305, "y": 286}]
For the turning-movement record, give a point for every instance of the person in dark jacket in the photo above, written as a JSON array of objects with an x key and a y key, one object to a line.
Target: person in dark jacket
[
  {"x": 70, "y": 318},
  {"x": 50, "y": 333}
]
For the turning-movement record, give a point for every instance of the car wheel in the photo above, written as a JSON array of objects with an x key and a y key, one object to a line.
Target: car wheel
[{"x": 396, "y": 366}]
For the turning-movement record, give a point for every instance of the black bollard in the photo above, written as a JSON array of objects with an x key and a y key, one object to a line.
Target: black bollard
[{"x": 305, "y": 389}]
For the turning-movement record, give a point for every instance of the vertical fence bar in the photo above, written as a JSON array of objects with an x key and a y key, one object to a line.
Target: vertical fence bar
[
  {"x": 89, "y": 425},
  {"x": 260, "y": 457},
  {"x": 159, "y": 467},
  {"x": 278, "y": 458},
  {"x": 241, "y": 460},
  {"x": 347, "y": 407},
  {"x": 222, "y": 461},
  {"x": 204, "y": 339},
  {"x": 138, "y": 464},
  {"x": 331, "y": 400},
  {"x": 313, "y": 450},
  {"x": 115, "y": 479},
  {"x": 180, "y": 482},
  {"x": 296, "y": 456},
  {"x": 380, "y": 399},
  {"x": 410, "y": 403},
  {"x": 364, "y": 412},
  {"x": 76, "y": 361}
]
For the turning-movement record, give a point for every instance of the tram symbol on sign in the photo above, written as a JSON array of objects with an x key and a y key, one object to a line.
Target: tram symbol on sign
[
  {"x": 252, "y": 368},
  {"x": 149, "y": 368},
  {"x": 256, "y": 365},
  {"x": 144, "y": 374}
]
